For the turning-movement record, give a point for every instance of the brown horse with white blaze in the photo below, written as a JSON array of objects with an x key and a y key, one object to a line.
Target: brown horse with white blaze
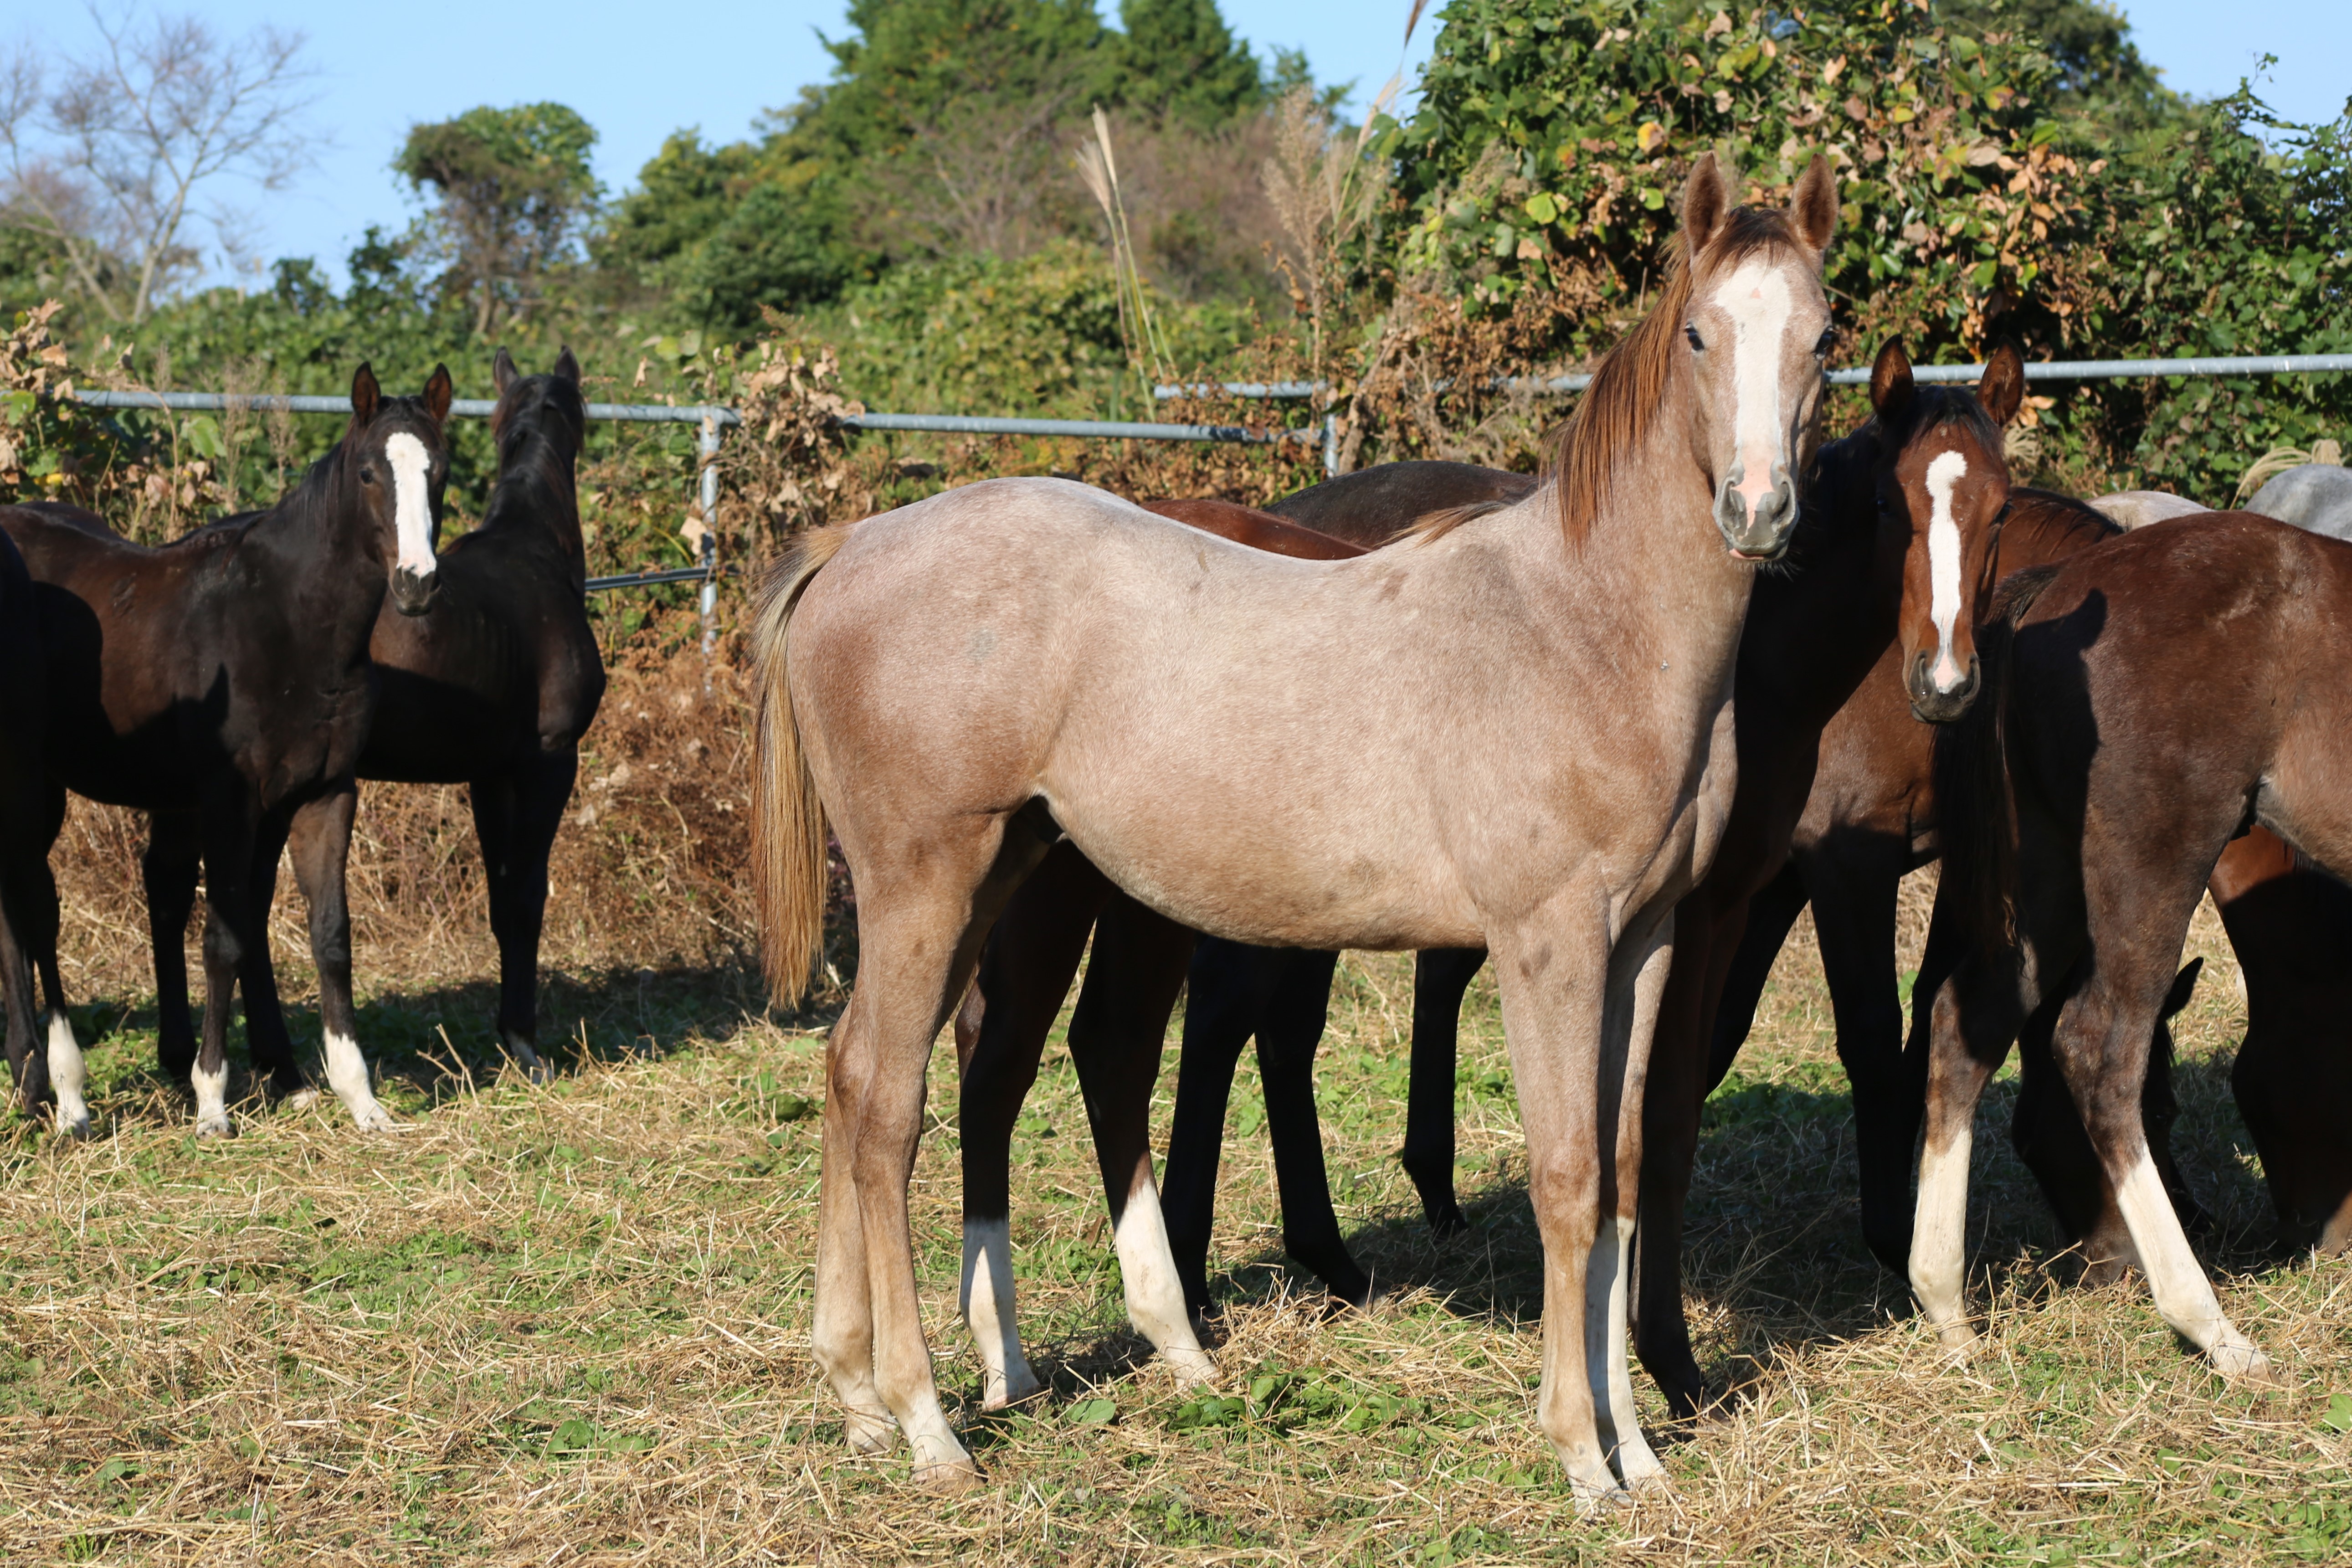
[{"x": 1515, "y": 734}]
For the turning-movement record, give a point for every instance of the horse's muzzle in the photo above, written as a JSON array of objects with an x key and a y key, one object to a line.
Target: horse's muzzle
[
  {"x": 412, "y": 592},
  {"x": 1933, "y": 707},
  {"x": 1761, "y": 533}
]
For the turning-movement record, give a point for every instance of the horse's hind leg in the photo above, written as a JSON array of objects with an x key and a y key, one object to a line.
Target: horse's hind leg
[
  {"x": 321, "y": 843},
  {"x": 168, "y": 867},
  {"x": 228, "y": 835},
  {"x": 1852, "y": 883},
  {"x": 51, "y": 1059},
  {"x": 1974, "y": 1016},
  {"x": 1440, "y": 978},
  {"x": 1224, "y": 1000},
  {"x": 922, "y": 920},
  {"x": 1138, "y": 967},
  {"x": 1025, "y": 972}
]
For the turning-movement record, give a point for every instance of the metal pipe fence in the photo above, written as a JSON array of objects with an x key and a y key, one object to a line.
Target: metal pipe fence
[{"x": 712, "y": 419}]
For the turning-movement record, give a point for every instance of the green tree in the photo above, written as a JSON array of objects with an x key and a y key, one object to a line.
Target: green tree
[
  {"x": 512, "y": 191},
  {"x": 1178, "y": 58},
  {"x": 2100, "y": 72}
]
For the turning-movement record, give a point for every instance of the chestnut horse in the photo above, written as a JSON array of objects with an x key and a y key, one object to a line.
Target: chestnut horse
[
  {"x": 226, "y": 676},
  {"x": 1442, "y": 747},
  {"x": 2149, "y": 700},
  {"x": 492, "y": 687}
]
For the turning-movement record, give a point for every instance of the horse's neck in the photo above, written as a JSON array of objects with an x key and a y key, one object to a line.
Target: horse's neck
[
  {"x": 316, "y": 552},
  {"x": 2043, "y": 527},
  {"x": 536, "y": 490}
]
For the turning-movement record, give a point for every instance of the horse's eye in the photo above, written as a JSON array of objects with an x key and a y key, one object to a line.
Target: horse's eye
[
  {"x": 1692, "y": 333},
  {"x": 1827, "y": 341},
  {"x": 367, "y": 475}
]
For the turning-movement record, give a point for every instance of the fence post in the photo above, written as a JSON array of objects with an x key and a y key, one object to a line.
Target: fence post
[
  {"x": 1330, "y": 445},
  {"x": 710, "y": 533}
]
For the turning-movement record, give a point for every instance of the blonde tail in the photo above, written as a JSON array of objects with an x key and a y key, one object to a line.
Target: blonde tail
[{"x": 788, "y": 835}]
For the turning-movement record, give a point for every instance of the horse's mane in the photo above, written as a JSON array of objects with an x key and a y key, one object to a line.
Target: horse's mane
[
  {"x": 2050, "y": 524},
  {"x": 1630, "y": 383},
  {"x": 531, "y": 459}
]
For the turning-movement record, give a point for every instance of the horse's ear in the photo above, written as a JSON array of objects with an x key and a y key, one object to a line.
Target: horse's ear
[
  {"x": 2003, "y": 386},
  {"x": 2183, "y": 985},
  {"x": 1815, "y": 209},
  {"x": 1706, "y": 198},
  {"x": 503, "y": 374},
  {"x": 566, "y": 368},
  {"x": 365, "y": 394},
  {"x": 437, "y": 395},
  {"x": 1890, "y": 380}
]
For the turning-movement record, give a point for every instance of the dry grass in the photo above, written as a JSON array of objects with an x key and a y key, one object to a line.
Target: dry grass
[{"x": 571, "y": 1324}]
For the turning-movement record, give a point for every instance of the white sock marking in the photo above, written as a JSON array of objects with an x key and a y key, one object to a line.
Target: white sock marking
[
  {"x": 348, "y": 1075},
  {"x": 1757, "y": 299},
  {"x": 411, "y": 504},
  {"x": 212, "y": 1101},
  {"x": 527, "y": 1058},
  {"x": 1944, "y": 565},
  {"x": 1938, "y": 1234},
  {"x": 2183, "y": 1294},
  {"x": 1155, "y": 1299},
  {"x": 986, "y": 1301},
  {"x": 66, "y": 1076},
  {"x": 1608, "y": 1363}
]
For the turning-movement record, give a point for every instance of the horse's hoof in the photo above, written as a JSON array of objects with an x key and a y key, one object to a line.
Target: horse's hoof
[
  {"x": 1593, "y": 1499},
  {"x": 216, "y": 1127},
  {"x": 540, "y": 1074},
  {"x": 1957, "y": 1341},
  {"x": 75, "y": 1126},
  {"x": 302, "y": 1099},
  {"x": 1649, "y": 1486},
  {"x": 947, "y": 1477},
  {"x": 372, "y": 1117},
  {"x": 1004, "y": 1393},
  {"x": 1194, "y": 1368},
  {"x": 2246, "y": 1364},
  {"x": 867, "y": 1434}
]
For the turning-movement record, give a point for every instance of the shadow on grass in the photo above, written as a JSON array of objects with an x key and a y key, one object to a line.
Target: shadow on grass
[
  {"x": 439, "y": 1041},
  {"x": 1774, "y": 1260}
]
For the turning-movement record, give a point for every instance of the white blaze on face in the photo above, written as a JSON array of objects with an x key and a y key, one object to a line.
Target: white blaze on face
[
  {"x": 1757, "y": 300},
  {"x": 411, "y": 511},
  {"x": 1944, "y": 563}
]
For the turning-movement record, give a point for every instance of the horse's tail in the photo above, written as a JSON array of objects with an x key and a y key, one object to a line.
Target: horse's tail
[
  {"x": 788, "y": 855},
  {"x": 1975, "y": 803}
]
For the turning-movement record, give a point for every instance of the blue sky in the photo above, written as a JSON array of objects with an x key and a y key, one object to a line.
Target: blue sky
[{"x": 639, "y": 71}]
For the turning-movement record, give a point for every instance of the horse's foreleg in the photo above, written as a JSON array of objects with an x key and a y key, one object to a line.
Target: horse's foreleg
[
  {"x": 1138, "y": 967},
  {"x": 1670, "y": 1106},
  {"x": 1853, "y": 887},
  {"x": 321, "y": 842},
  {"x": 1025, "y": 972},
  {"x": 1771, "y": 912},
  {"x": 1552, "y": 977},
  {"x": 1441, "y": 977},
  {"x": 1974, "y": 1017},
  {"x": 516, "y": 820},
  {"x": 169, "y": 868},
  {"x": 46, "y": 1056},
  {"x": 270, "y": 1047},
  {"x": 1290, "y": 1028},
  {"x": 1639, "y": 974},
  {"x": 1224, "y": 1000},
  {"x": 228, "y": 835}
]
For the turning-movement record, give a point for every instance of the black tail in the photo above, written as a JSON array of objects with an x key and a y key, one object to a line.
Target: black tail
[{"x": 1976, "y": 806}]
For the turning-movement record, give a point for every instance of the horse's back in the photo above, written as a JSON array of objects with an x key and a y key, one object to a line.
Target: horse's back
[
  {"x": 2315, "y": 496},
  {"x": 1372, "y": 506}
]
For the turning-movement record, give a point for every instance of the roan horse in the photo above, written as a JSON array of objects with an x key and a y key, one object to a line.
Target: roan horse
[
  {"x": 1283, "y": 751},
  {"x": 492, "y": 687},
  {"x": 2148, "y": 702},
  {"x": 225, "y": 676}
]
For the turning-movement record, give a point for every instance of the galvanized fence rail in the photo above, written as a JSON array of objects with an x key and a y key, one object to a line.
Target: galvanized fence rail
[{"x": 713, "y": 417}]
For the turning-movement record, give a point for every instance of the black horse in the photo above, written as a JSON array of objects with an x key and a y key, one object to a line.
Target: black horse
[
  {"x": 28, "y": 897},
  {"x": 492, "y": 689},
  {"x": 222, "y": 682}
]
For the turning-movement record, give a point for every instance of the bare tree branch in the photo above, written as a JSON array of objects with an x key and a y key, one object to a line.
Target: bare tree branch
[{"x": 113, "y": 163}]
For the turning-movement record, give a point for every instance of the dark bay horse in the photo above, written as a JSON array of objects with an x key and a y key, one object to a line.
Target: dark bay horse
[
  {"x": 2148, "y": 701},
  {"x": 223, "y": 680},
  {"x": 28, "y": 822},
  {"x": 1439, "y": 747},
  {"x": 491, "y": 688}
]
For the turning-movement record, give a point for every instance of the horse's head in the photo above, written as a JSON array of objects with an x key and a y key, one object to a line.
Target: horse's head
[
  {"x": 1943, "y": 484},
  {"x": 1756, "y": 326},
  {"x": 396, "y": 463},
  {"x": 549, "y": 406}
]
